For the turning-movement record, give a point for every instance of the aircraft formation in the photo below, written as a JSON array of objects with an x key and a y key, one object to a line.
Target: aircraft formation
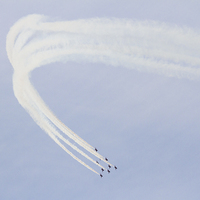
[{"x": 109, "y": 165}]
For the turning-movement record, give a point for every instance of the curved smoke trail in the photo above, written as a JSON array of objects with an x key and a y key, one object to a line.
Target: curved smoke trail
[{"x": 147, "y": 46}]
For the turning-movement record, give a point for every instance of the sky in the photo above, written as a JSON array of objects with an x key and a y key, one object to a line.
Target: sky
[{"x": 146, "y": 124}]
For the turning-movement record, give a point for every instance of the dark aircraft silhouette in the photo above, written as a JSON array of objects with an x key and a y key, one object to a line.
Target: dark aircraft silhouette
[
  {"x": 101, "y": 175},
  {"x": 109, "y": 166},
  {"x": 96, "y": 149},
  {"x": 108, "y": 171},
  {"x": 106, "y": 159},
  {"x": 115, "y": 167},
  {"x": 102, "y": 169}
]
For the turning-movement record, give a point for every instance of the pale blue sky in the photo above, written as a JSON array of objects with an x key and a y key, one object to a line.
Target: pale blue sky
[{"x": 146, "y": 124}]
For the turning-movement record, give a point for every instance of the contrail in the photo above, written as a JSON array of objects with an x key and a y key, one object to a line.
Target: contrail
[{"x": 147, "y": 46}]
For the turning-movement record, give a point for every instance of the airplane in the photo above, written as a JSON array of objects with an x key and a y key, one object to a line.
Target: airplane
[
  {"x": 108, "y": 171},
  {"x": 102, "y": 169},
  {"x": 115, "y": 167},
  {"x": 96, "y": 149},
  {"x": 109, "y": 166},
  {"x": 101, "y": 175},
  {"x": 106, "y": 159},
  {"x": 97, "y": 162}
]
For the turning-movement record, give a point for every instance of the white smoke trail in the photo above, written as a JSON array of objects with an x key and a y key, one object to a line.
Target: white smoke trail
[{"x": 147, "y": 46}]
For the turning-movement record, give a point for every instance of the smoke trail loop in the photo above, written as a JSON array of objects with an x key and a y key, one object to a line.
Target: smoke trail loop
[{"x": 146, "y": 46}]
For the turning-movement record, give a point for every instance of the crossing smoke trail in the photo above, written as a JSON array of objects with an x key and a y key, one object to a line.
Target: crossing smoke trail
[{"x": 146, "y": 46}]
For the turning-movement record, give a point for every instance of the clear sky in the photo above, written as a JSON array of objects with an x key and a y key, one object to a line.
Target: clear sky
[{"x": 146, "y": 124}]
